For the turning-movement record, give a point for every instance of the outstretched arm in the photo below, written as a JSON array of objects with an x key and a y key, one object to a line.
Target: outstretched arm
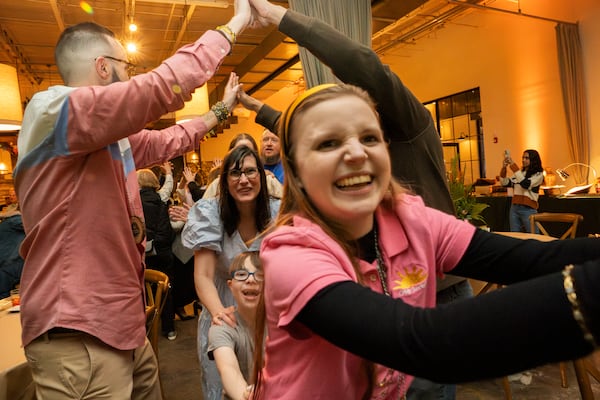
[
  {"x": 502, "y": 332},
  {"x": 352, "y": 63}
]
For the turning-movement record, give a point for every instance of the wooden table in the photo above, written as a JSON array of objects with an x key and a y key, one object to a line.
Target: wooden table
[{"x": 15, "y": 376}]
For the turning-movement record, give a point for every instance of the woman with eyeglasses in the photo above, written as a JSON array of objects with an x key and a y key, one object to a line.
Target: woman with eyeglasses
[
  {"x": 218, "y": 229},
  {"x": 232, "y": 348}
]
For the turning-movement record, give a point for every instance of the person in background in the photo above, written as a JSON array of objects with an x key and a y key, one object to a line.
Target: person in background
[
  {"x": 159, "y": 238},
  {"x": 274, "y": 187},
  {"x": 11, "y": 263},
  {"x": 269, "y": 151},
  {"x": 11, "y": 202},
  {"x": 350, "y": 271},
  {"x": 165, "y": 179},
  {"x": 526, "y": 184},
  {"x": 232, "y": 348},
  {"x": 413, "y": 141},
  {"x": 12, "y": 206},
  {"x": 218, "y": 229},
  {"x": 82, "y": 287}
]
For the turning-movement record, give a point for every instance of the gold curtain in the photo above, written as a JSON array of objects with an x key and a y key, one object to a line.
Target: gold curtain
[
  {"x": 573, "y": 92},
  {"x": 352, "y": 17}
]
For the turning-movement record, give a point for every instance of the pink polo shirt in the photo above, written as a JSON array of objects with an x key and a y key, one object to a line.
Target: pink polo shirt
[{"x": 417, "y": 243}]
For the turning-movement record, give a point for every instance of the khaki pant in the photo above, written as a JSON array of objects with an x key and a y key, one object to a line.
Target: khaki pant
[{"x": 79, "y": 366}]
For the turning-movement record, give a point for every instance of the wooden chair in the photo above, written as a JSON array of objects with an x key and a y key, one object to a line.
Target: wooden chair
[
  {"x": 582, "y": 366},
  {"x": 571, "y": 221},
  {"x": 157, "y": 288}
]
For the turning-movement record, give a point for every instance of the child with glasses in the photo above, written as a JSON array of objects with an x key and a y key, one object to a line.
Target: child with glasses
[{"x": 232, "y": 348}]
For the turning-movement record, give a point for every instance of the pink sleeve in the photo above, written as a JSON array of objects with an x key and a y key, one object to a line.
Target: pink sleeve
[
  {"x": 100, "y": 115},
  {"x": 151, "y": 147},
  {"x": 297, "y": 266},
  {"x": 453, "y": 238}
]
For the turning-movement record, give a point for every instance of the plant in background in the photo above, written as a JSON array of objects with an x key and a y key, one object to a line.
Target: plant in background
[{"x": 463, "y": 196}]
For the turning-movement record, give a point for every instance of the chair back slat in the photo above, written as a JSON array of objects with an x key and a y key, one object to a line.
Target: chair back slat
[{"x": 538, "y": 220}]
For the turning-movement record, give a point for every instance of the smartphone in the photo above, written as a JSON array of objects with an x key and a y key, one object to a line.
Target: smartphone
[{"x": 506, "y": 153}]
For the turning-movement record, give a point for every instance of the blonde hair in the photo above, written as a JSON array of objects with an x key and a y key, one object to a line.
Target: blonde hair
[{"x": 147, "y": 179}]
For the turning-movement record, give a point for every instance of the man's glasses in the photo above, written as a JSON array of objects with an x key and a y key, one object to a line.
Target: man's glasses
[
  {"x": 243, "y": 274},
  {"x": 130, "y": 67},
  {"x": 236, "y": 174}
]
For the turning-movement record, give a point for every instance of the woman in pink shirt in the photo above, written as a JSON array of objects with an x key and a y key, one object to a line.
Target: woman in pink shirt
[{"x": 350, "y": 272}]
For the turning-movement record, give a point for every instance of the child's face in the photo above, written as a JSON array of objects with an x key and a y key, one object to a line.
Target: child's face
[{"x": 247, "y": 293}]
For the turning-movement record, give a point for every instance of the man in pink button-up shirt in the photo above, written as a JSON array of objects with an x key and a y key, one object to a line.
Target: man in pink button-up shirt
[{"x": 82, "y": 292}]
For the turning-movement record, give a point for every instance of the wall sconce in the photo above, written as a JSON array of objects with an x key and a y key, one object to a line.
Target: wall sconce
[
  {"x": 3, "y": 169},
  {"x": 580, "y": 187},
  {"x": 11, "y": 113}
]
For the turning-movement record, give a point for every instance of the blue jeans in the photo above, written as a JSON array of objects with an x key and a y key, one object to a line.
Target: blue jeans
[
  {"x": 423, "y": 389},
  {"x": 519, "y": 218}
]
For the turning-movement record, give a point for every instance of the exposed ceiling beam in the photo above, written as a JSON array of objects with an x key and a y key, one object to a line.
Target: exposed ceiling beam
[
  {"x": 186, "y": 21},
  {"x": 288, "y": 64},
  {"x": 199, "y": 3},
  {"x": 519, "y": 13},
  {"x": 273, "y": 40},
  {"x": 13, "y": 53},
  {"x": 57, "y": 16}
]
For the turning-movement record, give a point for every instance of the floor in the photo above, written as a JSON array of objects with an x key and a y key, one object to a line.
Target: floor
[{"x": 180, "y": 375}]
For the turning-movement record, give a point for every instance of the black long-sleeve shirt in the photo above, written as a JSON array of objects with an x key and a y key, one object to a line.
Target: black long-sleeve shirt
[{"x": 520, "y": 326}]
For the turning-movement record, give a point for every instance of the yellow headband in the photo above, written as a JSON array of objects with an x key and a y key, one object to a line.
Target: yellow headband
[{"x": 296, "y": 103}]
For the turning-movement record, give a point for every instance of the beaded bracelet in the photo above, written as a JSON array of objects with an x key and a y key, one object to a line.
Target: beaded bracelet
[
  {"x": 229, "y": 34},
  {"x": 577, "y": 314},
  {"x": 221, "y": 111}
]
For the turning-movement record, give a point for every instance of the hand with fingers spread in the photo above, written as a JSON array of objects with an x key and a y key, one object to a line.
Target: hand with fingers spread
[{"x": 188, "y": 175}]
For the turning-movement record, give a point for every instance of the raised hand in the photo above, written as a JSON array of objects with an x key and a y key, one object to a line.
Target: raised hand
[
  {"x": 249, "y": 102},
  {"x": 188, "y": 175},
  {"x": 266, "y": 13},
  {"x": 230, "y": 95}
]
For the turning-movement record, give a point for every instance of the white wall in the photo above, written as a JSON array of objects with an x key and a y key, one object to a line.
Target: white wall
[{"x": 513, "y": 60}]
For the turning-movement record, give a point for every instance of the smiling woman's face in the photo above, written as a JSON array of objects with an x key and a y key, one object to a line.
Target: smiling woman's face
[
  {"x": 245, "y": 189},
  {"x": 342, "y": 160}
]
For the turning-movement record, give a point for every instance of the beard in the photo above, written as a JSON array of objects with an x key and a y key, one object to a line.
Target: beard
[{"x": 270, "y": 160}]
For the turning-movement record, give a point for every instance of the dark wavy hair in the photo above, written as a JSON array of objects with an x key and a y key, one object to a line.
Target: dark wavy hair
[
  {"x": 535, "y": 163},
  {"x": 230, "y": 215}
]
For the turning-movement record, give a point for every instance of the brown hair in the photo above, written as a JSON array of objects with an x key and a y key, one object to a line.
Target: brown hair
[
  {"x": 296, "y": 202},
  {"x": 77, "y": 39},
  {"x": 239, "y": 261},
  {"x": 230, "y": 215}
]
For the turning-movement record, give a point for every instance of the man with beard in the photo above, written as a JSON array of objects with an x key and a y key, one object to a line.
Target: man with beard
[{"x": 269, "y": 152}]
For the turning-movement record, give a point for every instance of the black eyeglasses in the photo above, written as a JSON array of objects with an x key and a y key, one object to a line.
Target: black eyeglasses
[
  {"x": 243, "y": 274},
  {"x": 130, "y": 66},
  {"x": 236, "y": 174}
]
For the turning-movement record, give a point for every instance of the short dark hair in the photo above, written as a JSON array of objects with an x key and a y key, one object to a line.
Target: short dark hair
[{"x": 76, "y": 38}]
